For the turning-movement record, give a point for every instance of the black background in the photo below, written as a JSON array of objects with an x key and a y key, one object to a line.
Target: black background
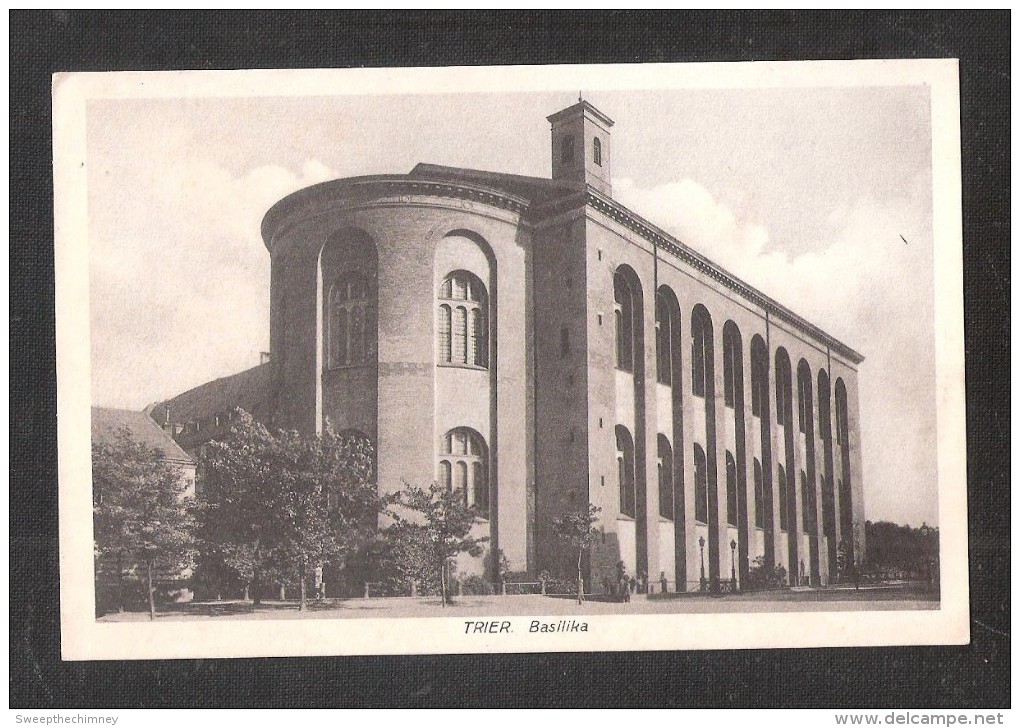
[{"x": 41, "y": 43}]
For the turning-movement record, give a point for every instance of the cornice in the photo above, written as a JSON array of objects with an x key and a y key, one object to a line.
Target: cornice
[
  {"x": 362, "y": 189},
  {"x": 667, "y": 242}
]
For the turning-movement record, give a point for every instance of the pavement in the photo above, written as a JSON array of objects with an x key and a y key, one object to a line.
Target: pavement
[{"x": 886, "y": 597}]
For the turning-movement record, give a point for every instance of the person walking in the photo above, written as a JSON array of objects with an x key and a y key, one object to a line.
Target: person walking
[{"x": 623, "y": 582}]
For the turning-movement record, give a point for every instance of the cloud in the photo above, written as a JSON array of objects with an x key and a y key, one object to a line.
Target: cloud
[
  {"x": 864, "y": 285},
  {"x": 179, "y": 274}
]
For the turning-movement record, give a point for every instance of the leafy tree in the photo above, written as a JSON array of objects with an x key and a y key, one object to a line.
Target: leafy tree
[
  {"x": 284, "y": 502},
  {"x": 578, "y": 529},
  {"x": 329, "y": 503},
  {"x": 761, "y": 576},
  {"x": 435, "y": 528},
  {"x": 141, "y": 512},
  {"x": 845, "y": 561},
  {"x": 900, "y": 548},
  {"x": 240, "y": 485}
]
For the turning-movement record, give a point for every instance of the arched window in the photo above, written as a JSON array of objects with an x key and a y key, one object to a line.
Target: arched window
[
  {"x": 597, "y": 151},
  {"x": 464, "y": 466},
  {"x": 623, "y": 311},
  {"x": 840, "y": 487},
  {"x": 731, "y": 489},
  {"x": 700, "y": 485},
  {"x": 351, "y": 329},
  {"x": 841, "y": 414},
  {"x": 804, "y": 403},
  {"x": 825, "y": 433},
  {"x": 807, "y": 499},
  {"x": 665, "y": 324},
  {"x": 783, "y": 514},
  {"x": 701, "y": 352},
  {"x": 824, "y": 411},
  {"x": 759, "y": 495},
  {"x": 665, "y": 477},
  {"x": 463, "y": 321},
  {"x": 828, "y": 506},
  {"x": 782, "y": 386},
  {"x": 445, "y": 332},
  {"x": 733, "y": 369},
  {"x": 625, "y": 471},
  {"x": 843, "y": 441},
  {"x": 759, "y": 376}
]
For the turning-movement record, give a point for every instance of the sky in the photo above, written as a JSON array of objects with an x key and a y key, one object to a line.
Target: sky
[{"x": 804, "y": 193}]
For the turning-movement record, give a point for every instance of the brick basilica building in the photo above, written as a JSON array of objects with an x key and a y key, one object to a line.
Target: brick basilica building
[{"x": 539, "y": 345}]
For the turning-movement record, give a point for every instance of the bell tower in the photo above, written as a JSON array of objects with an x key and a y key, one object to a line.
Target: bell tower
[{"x": 580, "y": 146}]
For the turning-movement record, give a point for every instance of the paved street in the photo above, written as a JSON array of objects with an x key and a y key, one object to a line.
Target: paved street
[{"x": 871, "y": 598}]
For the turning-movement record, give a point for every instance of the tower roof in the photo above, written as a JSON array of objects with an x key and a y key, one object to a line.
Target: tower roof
[{"x": 581, "y": 106}]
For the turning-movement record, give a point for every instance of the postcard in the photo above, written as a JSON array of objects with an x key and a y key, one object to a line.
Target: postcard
[{"x": 510, "y": 359}]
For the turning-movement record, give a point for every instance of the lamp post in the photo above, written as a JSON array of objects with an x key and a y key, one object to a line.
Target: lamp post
[
  {"x": 733, "y": 565},
  {"x": 925, "y": 541},
  {"x": 701, "y": 543}
]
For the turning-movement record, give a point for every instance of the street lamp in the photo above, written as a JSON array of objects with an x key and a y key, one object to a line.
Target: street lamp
[
  {"x": 701, "y": 543},
  {"x": 733, "y": 565},
  {"x": 925, "y": 545}
]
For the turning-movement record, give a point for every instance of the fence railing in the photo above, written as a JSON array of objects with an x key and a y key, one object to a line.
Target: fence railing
[{"x": 560, "y": 588}]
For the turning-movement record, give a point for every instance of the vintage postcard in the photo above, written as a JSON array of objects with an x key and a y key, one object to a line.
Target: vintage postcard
[{"x": 510, "y": 359}]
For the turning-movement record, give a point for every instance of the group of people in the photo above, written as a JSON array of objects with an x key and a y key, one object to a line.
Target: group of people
[{"x": 623, "y": 586}]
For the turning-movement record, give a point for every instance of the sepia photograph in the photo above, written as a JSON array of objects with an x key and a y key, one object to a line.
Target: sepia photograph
[{"x": 510, "y": 359}]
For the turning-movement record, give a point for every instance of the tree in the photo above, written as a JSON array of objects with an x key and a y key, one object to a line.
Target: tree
[
  {"x": 329, "y": 503},
  {"x": 437, "y": 527},
  {"x": 241, "y": 487},
  {"x": 141, "y": 512},
  {"x": 845, "y": 561},
  {"x": 892, "y": 547},
  {"x": 284, "y": 502},
  {"x": 578, "y": 529}
]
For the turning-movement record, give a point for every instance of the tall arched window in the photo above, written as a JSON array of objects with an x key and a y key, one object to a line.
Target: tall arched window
[
  {"x": 759, "y": 495},
  {"x": 665, "y": 477},
  {"x": 733, "y": 368},
  {"x": 825, "y": 433},
  {"x": 463, "y": 321},
  {"x": 807, "y": 499},
  {"x": 596, "y": 150},
  {"x": 625, "y": 471},
  {"x": 845, "y": 488},
  {"x": 782, "y": 386},
  {"x": 700, "y": 485},
  {"x": 731, "y": 489},
  {"x": 804, "y": 404},
  {"x": 759, "y": 376},
  {"x": 464, "y": 466},
  {"x": 351, "y": 322},
  {"x": 623, "y": 312},
  {"x": 783, "y": 511},
  {"x": 701, "y": 352},
  {"x": 828, "y": 505},
  {"x": 824, "y": 408},
  {"x": 663, "y": 340},
  {"x": 841, "y": 416},
  {"x": 667, "y": 336}
]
